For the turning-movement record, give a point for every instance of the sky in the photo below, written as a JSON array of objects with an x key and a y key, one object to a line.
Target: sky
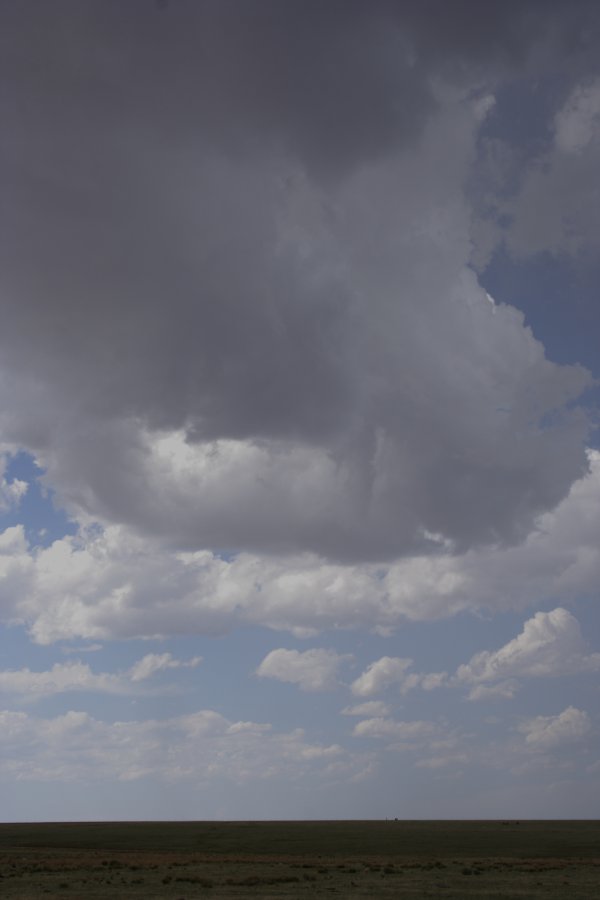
[{"x": 299, "y": 390}]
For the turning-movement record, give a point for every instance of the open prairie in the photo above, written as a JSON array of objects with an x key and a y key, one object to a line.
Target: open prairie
[{"x": 364, "y": 859}]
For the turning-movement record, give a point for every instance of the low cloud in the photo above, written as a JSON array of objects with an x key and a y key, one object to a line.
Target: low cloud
[
  {"x": 380, "y": 675},
  {"x": 547, "y": 732},
  {"x": 61, "y": 678},
  {"x": 504, "y": 690},
  {"x": 555, "y": 210},
  {"x": 550, "y": 644},
  {"x": 109, "y": 583},
  {"x": 372, "y": 708},
  {"x": 409, "y": 733},
  {"x": 392, "y": 671},
  {"x": 245, "y": 342},
  {"x": 319, "y": 370},
  {"x": 158, "y": 662},
  {"x": 78, "y": 676},
  {"x": 198, "y": 747},
  {"x": 443, "y": 762},
  {"x": 12, "y": 490},
  {"x": 311, "y": 670}
]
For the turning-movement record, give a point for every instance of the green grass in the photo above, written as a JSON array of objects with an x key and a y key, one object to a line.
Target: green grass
[{"x": 301, "y": 859}]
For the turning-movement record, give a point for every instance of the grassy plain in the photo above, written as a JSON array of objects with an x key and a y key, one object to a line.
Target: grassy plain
[{"x": 362, "y": 859}]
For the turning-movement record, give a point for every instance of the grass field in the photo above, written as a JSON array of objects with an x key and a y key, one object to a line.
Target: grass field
[{"x": 301, "y": 859}]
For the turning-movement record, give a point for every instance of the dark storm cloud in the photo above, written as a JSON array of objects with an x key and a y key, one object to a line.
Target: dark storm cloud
[
  {"x": 246, "y": 221},
  {"x": 328, "y": 83},
  {"x": 332, "y": 83}
]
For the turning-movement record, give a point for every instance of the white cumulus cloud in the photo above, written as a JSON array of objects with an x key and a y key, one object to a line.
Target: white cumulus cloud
[
  {"x": 158, "y": 662},
  {"x": 78, "y": 676},
  {"x": 550, "y": 644},
  {"x": 109, "y": 582},
  {"x": 197, "y": 747},
  {"x": 60, "y": 678},
  {"x": 405, "y": 732},
  {"x": 311, "y": 670},
  {"x": 11, "y": 491},
  {"x": 504, "y": 690},
  {"x": 544, "y": 732},
  {"x": 380, "y": 674}
]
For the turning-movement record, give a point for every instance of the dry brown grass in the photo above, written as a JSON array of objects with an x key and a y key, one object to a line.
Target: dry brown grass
[{"x": 127, "y": 863}]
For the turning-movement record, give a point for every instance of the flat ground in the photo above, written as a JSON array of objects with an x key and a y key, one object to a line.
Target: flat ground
[{"x": 184, "y": 860}]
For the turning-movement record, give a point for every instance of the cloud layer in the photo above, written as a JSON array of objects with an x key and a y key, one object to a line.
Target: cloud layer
[
  {"x": 232, "y": 336},
  {"x": 201, "y": 746},
  {"x": 259, "y": 274},
  {"x": 112, "y": 583}
]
